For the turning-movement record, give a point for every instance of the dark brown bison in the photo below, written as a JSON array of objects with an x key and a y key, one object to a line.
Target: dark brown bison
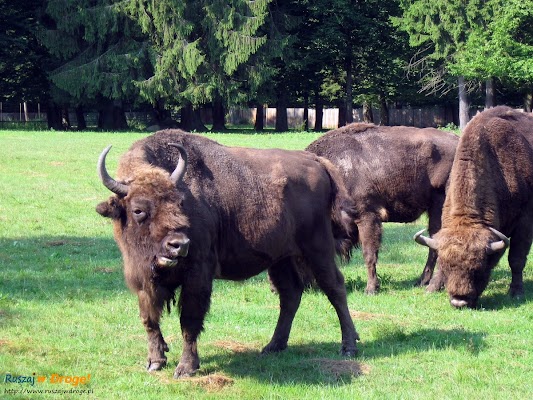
[
  {"x": 393, "y": 174},
  {"x": 188, "y": 210},
  {"x": 490, "y": 198}
]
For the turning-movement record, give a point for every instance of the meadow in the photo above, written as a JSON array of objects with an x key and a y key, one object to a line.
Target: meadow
[{"x": 67, "y": 317}]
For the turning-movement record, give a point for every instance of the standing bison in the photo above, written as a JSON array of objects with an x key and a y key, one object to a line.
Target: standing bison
[
  {"x": 188, "y": 210},
  {"x": 393, "y": 174},
  {"x": 490, "y": 198}
]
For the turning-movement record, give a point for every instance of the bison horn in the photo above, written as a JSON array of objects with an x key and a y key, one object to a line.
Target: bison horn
[
  {"x": 178, "y": 173},
  {"x": 500, "y": 245},
  {"x": 116, "y": 187},
  {"x": 425, "y": 241}
]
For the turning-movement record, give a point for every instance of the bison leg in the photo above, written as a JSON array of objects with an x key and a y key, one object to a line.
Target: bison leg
[
  {"x": 427, "y": 272},
  {"x": 150, "y": 312},
  {"x": 435, "y": 281},
  {"x": 370, "y": 231},
  {"x": 518, "y": 251},
  {"x": 286, "y": 281},
  {"x": 331, "y": 281},
  {"x": 320, "y": 257},
  {"x": 194, "y": 303}
]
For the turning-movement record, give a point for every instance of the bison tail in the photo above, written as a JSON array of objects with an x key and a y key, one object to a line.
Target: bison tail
[
  {"x": 343, "y": 214},
  {"x": 345, "y": 230}
]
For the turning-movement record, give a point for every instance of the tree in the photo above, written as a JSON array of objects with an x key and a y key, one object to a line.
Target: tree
[
  {"x": 98, "y": 54},
  {"x": 21, "y": 77},
  {"x": 202, "y": 51},
  {"x": 502, "y": 47},
  {"x": 440, "y": 29},
  {"x": 350, "y": 52}
]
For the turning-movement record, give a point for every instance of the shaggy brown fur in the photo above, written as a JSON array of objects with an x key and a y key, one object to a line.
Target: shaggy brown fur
[
  {"x": 491, "y": 185},
  {"x": 242, "y": 211},
  {"x": 393, "y": 174}
]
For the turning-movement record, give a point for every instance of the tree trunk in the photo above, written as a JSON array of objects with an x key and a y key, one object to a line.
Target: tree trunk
[
  {"x": 383, "y": 111},
  {"x": 111, "y": 116},
  {"x": 528, "y": 102},
  {"x": 26, "y": 114},
  {"x": 489, "y": 93},
  {"x": 53, "y": 116},
  {"x": 80, "y": 117},
  {"x": 450, "y": 114},
  {"x": 65, "y": 118},
  {"x": 282, "y": 123},
  {"x": 349, "y": 95},
  {"x": 368, "y": 116},
  {"x": 464, "y": 104},
  {"x": 219, "y": 116},
  {"x": 259, "y": 124},
  {"x": 319, "y": 113},
  {"x": 342, "y": 114},
  {"x": 306, "y": 112},
  {"x": 191, "y": 120},
  {"x": 161, "y": 117}
]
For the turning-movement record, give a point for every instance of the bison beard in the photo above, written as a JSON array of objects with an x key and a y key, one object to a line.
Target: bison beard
[
  {"x": 235, "y": 213},
  {"x": 489, "y": 199}
]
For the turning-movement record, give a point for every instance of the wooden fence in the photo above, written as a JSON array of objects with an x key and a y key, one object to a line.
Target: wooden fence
[{"x": 419, "y": 117}]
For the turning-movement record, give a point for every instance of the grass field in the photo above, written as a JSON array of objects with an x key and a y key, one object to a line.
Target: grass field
[{"x": 66, "y": 312}]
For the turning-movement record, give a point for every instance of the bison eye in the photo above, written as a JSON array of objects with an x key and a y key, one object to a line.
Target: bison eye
[{"x": 139, "y": 215}]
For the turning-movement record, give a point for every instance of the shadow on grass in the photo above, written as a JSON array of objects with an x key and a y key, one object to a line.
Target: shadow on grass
[
  {"x": 500, "y": 299},
  {"x": 308, "y": 364},
  {"x": 50, "y": 268},
  {"x": 54, "y": 268}
]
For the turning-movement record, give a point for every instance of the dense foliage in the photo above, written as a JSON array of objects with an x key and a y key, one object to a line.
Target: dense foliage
[{"x": 186, "y": 55}]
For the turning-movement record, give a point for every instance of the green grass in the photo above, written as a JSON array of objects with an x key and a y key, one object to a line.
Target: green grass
[{"x": 64, "y": 307}]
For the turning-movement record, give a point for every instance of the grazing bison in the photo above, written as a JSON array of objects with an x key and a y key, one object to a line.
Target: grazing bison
[
  {"x": 490, "y": 198},
  {"x": 393, "y": 174},
  {"x": 188, "y": 210}
]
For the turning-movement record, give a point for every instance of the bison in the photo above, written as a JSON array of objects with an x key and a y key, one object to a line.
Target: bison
[
  {"x": 393, "y": 174},
  {"x": 490, "y": 198},
  {"x": 187, "y": 210}
]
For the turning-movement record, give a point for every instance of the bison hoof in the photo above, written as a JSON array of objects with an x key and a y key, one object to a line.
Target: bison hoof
[
  {"x": 422, "y": 282},
  {"x": 516, "y": 293},
  {"x": 433, "y": 288},
  {"x": 184, "y": 371},
  {"x": 435, "y": 285},
  {"x": 155, "y": 365},
  {"x": 273, "y": 348},
  {"x": 349, "y": 352}
]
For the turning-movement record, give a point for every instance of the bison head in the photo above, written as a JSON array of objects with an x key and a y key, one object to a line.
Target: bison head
[
  {"x": 149, "y": 224},
  {"x": 466, "y": 257}
]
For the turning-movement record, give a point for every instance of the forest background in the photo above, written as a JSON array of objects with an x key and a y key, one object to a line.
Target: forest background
[{"x": 175, "y": 60}]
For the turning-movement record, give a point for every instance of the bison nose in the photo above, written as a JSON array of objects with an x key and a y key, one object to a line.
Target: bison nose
[
  {"x": 178, "y": 247},
  {"x": 458, "y": 303}
]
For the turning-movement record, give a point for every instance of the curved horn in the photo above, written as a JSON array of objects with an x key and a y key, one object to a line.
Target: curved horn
[
  {"x": 178, "y": 173},
  {"x": 116, "y": 187},
  {"x": 425, "y": 241},
  {"x": 500, "y": 245}
]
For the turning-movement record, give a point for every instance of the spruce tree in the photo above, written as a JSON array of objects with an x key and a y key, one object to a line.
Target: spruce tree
[
  {"x": 99, "y": 53},
  {"x": 21, "y": 77},
  {"x": 203, "y": 52}
]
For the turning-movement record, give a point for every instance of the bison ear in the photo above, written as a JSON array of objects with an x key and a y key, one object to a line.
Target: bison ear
[{"x": 109, "y": 209}]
